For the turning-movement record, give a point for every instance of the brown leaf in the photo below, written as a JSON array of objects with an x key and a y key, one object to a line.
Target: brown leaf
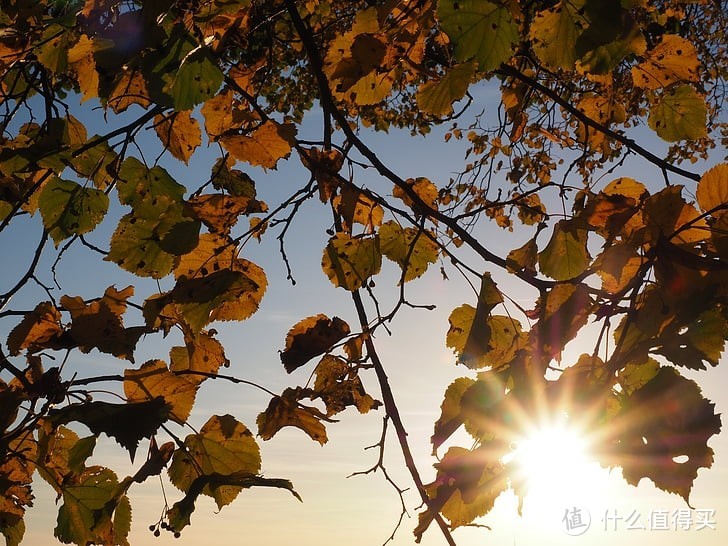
[
  {"x": 154, "y": 379},
  {"x": 220, "y": 212},
  {"x": 286, "y": 411},
  {"x": 264, "y": 146},
  {"x": 180, "y": 133},
  {"x": 98, "y": 324},
  {"x": 37, "y": 330},
  {"x": 311, "y": 337}
]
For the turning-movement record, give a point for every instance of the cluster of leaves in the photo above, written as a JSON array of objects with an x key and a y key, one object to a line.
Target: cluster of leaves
[{"x": 573, "y": 77}]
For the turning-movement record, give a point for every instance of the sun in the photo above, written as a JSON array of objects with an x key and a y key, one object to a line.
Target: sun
[{"x": 552, "y": 464}]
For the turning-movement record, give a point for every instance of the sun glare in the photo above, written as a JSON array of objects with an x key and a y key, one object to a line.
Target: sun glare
[{"x": 552, "y": 462}]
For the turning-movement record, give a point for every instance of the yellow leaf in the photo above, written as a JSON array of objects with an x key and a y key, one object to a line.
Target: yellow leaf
[
  {"x": 201, "y": 353},
  {"x": 215, "y": 253},
  {"x": 423, "y": 188},
  {"x": 264, "y": 146},
  {"x": 436, "y": 97},
  {"x": 673, "y": 60},
  {"x": 712, "y": 189},
  {"x": 410, "y": 248},
  {"x": 154, "y": 379},
  {"x": 180, "y": 133},
  {"x": 129, "y": 88},
  {"x": 218, "y": 114},
  {"x": 355, "y": 207}
]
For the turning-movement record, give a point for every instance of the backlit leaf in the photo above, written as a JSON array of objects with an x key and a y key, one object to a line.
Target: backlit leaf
[
  {"x": 201, "y": 353},
  {"x": 566, "y": 255},
  {"x": 37, "y": 328},
  {"x": 88, "y": 508},
  {"x": 180, "y": 134},
  {"x": 450, "y": 413},
  {"x": 287, "y": 411},
  {"x": 267, "y": 144},
  {"x": 339, "y": 386},
  {"x": 197, "y": 79},
  {"x": 554, "y": 32},
  {"x": 71, "y": 209},
  {"x": 672, "y": 60},
  {"x": 412, "y": 249},
  {"x": 311, "y": 337},
  {"x": 349, "y": 261},
  {"x": 154, "y": 379},
  {"x": 712, "y": 189},
  {"x": 98, "y": 324},
  {"x": 666, "y": 418},
  {"x": 679, "y": 114},
  {"x": 125, "y": 423},
  {"x": 437, "y": 97},
  {"x": 223, "y": 446},
  {"x": 479, "y": 29}
]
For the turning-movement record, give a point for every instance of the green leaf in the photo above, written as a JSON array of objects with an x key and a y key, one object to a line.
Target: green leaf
[
  {"x": 679, "y": 114},
  {"x": 410, "y": 248},
  {"x": 136, "y": 247},
  {"x": 450, "y": 413},
  {"x": 70, "y": 209},
  {"x": 92, "y": 509},
  {"x": 13, "y": 533},
  {"x": 349, "y": 261},
  {"x": 436, "y": 97},
  {"x": 150, "y": 192},
  {"x": 224, "y": 446},
  {"x": 197, "y": 79},
  {"x": 94, "y": 162},
  {"x": 636, "y": 375},
  {"x": 554, "y": 32},
  {"x": 498, "y": 338},
  {"x": 479, "y": 29},
  {"x": 566, "y": 255}
]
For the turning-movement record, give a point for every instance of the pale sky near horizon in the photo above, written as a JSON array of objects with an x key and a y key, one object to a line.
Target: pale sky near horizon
[{"x": 363, "y": 510}]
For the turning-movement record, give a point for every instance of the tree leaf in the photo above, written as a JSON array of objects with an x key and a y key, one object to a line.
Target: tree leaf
[
  {"x": 197, "y": 79},
  {"x": 150, "y": 192},
  {"x": 662, "y": 420},
  {"x": 479, "y": 29},
  {"x": 201, "y": 353},
  {"x": 223, "y": 446},
  {"x": 180, "y": 133},
  {"x": 679, "y": 114},
  {"x": 88, "y": 508},
  {"x": 712, "y": 189},
  {"x": 70, "y": 209},
  {"x": 554, "y": 32},
  {"x": 286, "y": 411},
  {"x": 220, "y": 212},
  {"x": 266, "y": 145},
  {"x": 349, "y": 261},
  {"x": 154, "y": 380},
  {"x": 674, "y": 59},
  {"x": 98, "y": 324},
  {"x": 37, "y": 329},
  {"x": 339, "y": 386},
  {"x": 450, "y": 412},
  {"x": 311, "y": 337},
  {"x": 565, "y": 255},
  {"x": 412, "y": 249},
  {"x": 125, "y": 423},
  {"x": 436, "y": 97}
]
